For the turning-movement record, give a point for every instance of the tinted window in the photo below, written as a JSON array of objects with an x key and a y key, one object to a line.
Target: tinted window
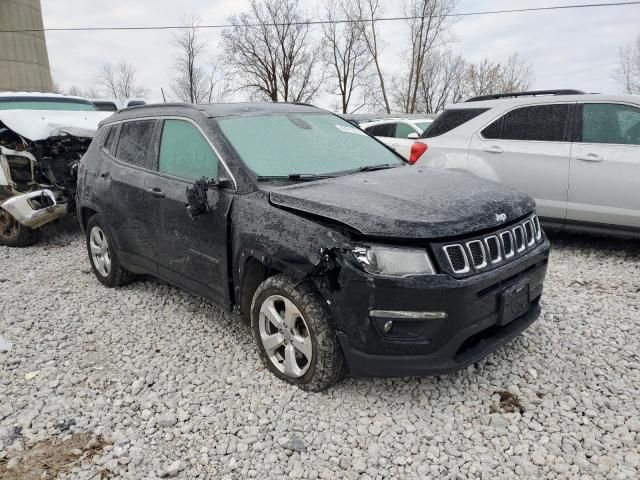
[
  {"x": 494, "y": 130},
  {"x": 303, "y": 143},
  {"x": 110, "y": 141},
  {"x": 450, "y": 119},
  {"x": 384, "y": 130},
  {"x": 541, "y": 122},
  {"x": 135, "y": 143},
  {"x": 610, "y": 123},
  {"x": 185, "y": 153},
  {"x": 106, "y": 106},
  {"x": 403, "y": 130}
]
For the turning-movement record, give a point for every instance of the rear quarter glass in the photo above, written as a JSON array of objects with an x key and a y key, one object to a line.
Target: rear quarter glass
[{"x": 451, "y": 119}]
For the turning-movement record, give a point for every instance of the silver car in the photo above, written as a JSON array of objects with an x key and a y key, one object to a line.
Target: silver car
[{"x": 577, "y": 154}]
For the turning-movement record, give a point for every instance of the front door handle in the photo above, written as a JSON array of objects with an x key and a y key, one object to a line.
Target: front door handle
[
  {"x": 590, "y": 157},
  {"x": 156, "y": 192},
  {"x": 494, "y": 149}
]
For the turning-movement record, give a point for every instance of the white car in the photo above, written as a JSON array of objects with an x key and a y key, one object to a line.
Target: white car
[
  {"x": 400, "y": 134},
  {"x": 577, "y": 154},
  {"x": 42, "y": 138}
]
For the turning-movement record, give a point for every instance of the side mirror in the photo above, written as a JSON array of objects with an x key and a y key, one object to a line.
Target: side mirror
[
  {"x": 198, "y": 204},
  {"x": 413, "y": 136}
]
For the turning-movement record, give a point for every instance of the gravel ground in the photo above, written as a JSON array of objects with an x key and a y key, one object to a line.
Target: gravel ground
[{"x": 176, "y": 384}]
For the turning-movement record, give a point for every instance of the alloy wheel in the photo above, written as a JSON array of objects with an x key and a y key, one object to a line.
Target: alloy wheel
[
  {"x": 285, "y": 336},
  {"x": 100, "y": 252}
]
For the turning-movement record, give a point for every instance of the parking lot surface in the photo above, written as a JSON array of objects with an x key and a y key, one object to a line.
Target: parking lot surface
[{"x": 177, "y": 388}]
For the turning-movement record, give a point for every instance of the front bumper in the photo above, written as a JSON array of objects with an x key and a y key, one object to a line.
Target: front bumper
[
  {"x": 35, "y": 209},
  {"x": 473, "y": 327}
]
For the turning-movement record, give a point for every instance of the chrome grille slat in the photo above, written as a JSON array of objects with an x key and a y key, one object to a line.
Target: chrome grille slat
[
  {"x": 518, "y": 236},
  {"x": 493, "y": 249},
  {"x": 455, "y": 259},
  {"x": 507, "y": 244},
  {"x": 477, "y": 254}
]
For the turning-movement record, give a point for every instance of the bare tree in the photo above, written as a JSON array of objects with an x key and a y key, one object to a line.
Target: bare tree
[
  {"x": 627, "y": 72},
  {"x": 487, "y": 77},
  {"x": 120, "y": 81},
  {"x": 190, "y": 83},
  {"x": 517, "y": 75},
  {"x": 368, "y": 11},
  {"x": 484, "y": 78},
  {"x": 270, "y": 51},
  {"x": 443, "y": 81},
  {"x": 76, "y": 91},
  {"x": 429, "y": 21},
  {"x": 345, "y": 52}
]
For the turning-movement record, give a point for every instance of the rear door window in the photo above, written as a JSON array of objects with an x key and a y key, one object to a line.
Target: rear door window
[
  {"x": 135, "y": 143},
  {"x": 110, "y": 141},
  {"x": 384, "y": 130},
  {"x": 450, "y": 119},
  {"x": 185, "y": 153},
  {"x": 534, "y": 123},
  {"x": 610, "y": 123}
]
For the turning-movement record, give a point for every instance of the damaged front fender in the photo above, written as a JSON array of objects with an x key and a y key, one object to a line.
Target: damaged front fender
[{"x": 34, "y": 209}]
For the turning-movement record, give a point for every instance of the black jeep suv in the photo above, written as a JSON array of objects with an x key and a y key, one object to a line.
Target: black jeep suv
[{"x": 344, "y": 257}]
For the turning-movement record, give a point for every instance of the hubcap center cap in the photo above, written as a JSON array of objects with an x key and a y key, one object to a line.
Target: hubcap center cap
[{"x": 287, "y": 336}]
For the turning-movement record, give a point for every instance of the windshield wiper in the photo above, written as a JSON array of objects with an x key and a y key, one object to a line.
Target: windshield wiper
[
  {"x": 297, "y": 177},
  {"x": 383, "y": 166},
  {"x": 371, "y": 168}
]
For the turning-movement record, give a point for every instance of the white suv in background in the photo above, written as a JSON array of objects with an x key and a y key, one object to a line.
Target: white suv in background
[
  {"x": 399, "y": 134},
  {"x": 577, "y": 154}
]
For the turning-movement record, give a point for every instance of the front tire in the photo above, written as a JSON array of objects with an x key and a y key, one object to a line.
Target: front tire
[
  {"x": 102, "y": 255},
  {"x": 296, "y": 341},
  {"x": 14, "y": 234}
]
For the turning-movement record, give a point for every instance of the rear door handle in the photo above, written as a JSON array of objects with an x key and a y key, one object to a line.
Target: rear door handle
[
  {"x": 156, "y": 192},
  {"x": 494, "y": 149},
  {"x": 590, "y": 157}
]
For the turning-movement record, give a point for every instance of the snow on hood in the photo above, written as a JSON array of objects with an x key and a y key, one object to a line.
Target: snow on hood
[
  {"x": 407, "y": 202},
  {"x": 37, "y": 125}
]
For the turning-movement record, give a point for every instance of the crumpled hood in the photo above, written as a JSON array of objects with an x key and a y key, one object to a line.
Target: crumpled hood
[
  {"x": 37, "y": 125},
  {"x": 408, "y": 202}
]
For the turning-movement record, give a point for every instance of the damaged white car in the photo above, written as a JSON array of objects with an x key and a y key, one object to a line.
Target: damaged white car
[{"x": 42, "y": 138}]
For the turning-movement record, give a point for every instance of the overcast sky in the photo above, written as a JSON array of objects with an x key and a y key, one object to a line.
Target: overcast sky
[{"x": 566, "y": 48}]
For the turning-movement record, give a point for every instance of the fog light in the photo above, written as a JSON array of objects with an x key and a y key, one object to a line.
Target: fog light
[{"x": 388, "y": 326}]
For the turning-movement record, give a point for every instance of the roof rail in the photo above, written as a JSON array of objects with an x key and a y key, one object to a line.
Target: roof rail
[{"x": 533, "y": 93}]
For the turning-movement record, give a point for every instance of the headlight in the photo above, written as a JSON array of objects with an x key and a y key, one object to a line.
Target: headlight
[{"x": 393, "y": 261}]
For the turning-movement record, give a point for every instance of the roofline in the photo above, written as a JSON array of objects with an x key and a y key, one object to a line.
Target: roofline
[{"x": 531, "y": 93}]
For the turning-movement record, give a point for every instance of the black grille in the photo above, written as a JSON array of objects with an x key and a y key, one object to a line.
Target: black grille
[
  {"x": 507, "y": 243},
  {"x": 528, "y": 228},
  {"x": 457, "y": 257},
  {"x": 477, "y": 253},
  {"x": 519, "y": 238},
  {"x": 494, "y": 248}
]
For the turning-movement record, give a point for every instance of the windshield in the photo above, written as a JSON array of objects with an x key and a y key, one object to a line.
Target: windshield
[
  {"x": 280, "y": 145},
  {"x": 45, "y": 103}
]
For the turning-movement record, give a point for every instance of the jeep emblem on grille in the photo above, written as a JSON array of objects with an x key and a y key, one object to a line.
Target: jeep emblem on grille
[{"x": 501, "y": 217}]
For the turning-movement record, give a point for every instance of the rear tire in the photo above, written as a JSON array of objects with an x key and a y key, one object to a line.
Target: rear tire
[
  {"x": 14, "y": 234},
  {"x": 296, "y": 341},
  {"x": 102, "y": 255}
]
